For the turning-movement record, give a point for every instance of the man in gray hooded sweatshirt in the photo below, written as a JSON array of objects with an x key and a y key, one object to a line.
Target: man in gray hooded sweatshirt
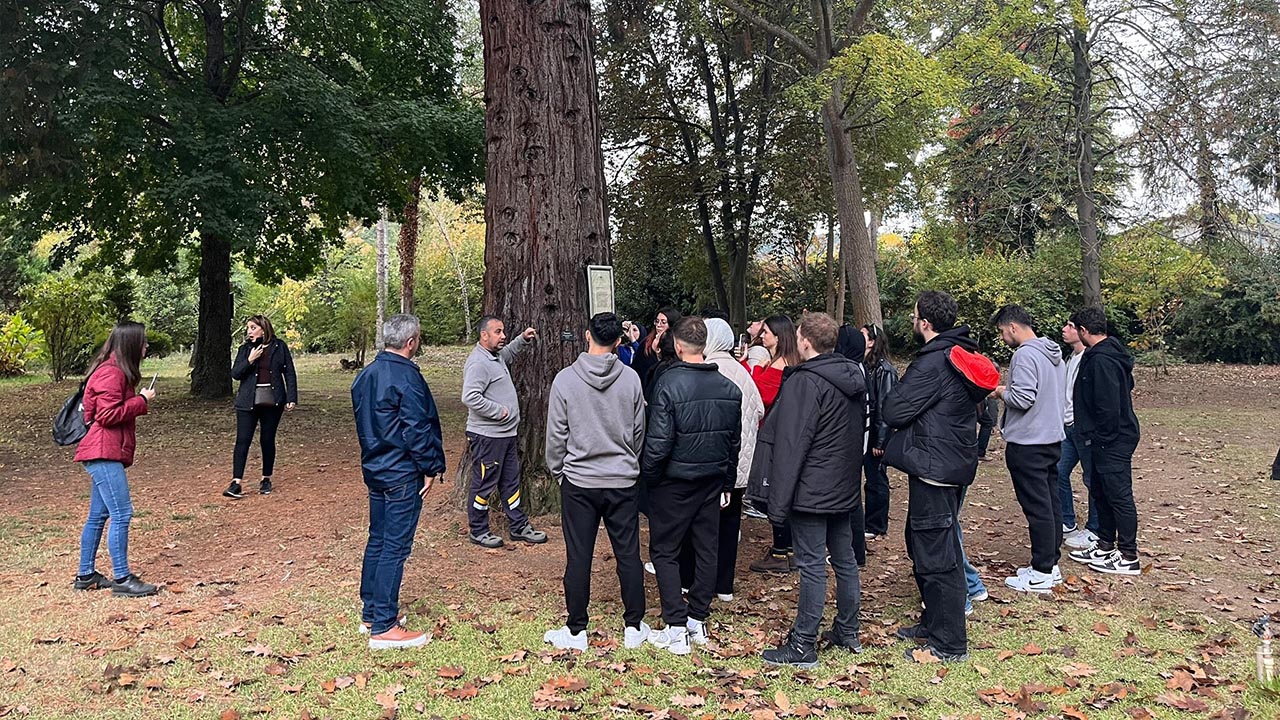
[
  {"x": 595, "y": 432},
  {"x": 1034, "y": 402}
]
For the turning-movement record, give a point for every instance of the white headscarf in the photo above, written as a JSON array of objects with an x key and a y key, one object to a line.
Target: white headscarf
[{"x": 719, "y": 337}]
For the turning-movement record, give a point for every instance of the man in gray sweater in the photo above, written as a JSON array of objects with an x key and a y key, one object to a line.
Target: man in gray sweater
[
  {"x": 493, "y": 414},
  {"x": 1034, "y": 402},
  {"x": 595, "y": 432}
]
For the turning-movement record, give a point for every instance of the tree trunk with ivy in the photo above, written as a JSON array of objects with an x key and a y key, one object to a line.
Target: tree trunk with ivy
[{"x": 545, "y": 202}]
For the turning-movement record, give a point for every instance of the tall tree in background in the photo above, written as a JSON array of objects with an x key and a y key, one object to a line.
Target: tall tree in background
[
  {"x": 407, "y": 247},
  {"x": 545, "y": 195},
  {"x": 240, "y": 129}
]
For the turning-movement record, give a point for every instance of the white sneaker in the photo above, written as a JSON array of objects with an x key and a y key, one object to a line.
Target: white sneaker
[
  {"x": 564, "y": 639},
  {"x": 674, "y": 639},
  {"x": 1088, "y": 555},
  {"x": 1056, "y": 573},
  {"x": 1033, "y": 581},
  {"x": 633, "y": 638},
  {"x": 724, "y": 597},
  {"x": 1077, "y": 539},
  {"x": 697, "y": 631},
  {"x": 648, "y": 567}
]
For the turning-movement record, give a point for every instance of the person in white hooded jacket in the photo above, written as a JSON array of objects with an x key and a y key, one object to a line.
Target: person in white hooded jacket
[{"x": 719, "y": 351}]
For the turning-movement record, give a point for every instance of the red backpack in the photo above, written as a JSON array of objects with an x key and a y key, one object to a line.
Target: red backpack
[{"x": 980, "y": 375}]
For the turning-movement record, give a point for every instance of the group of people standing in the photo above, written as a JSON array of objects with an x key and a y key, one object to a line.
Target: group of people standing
[{"x": 795, "y": 421}]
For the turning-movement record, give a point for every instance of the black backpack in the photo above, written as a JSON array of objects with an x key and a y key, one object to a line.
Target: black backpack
[{"x": 69, "y": 426}]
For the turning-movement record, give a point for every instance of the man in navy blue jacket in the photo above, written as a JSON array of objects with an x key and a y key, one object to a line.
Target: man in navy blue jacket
[{"x": 401, "y": 455}]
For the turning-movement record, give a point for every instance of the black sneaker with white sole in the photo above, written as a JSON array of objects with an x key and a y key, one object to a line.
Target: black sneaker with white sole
[
  {"x": 264, "y": 487},
  {"x": 233, "y": 491},
  {"x": 1088, "y": 555},
  {"x": 1116, "y": 564}
]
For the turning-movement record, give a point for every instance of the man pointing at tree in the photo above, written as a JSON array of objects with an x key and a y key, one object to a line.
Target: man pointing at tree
[{"x": 493, "y": 414}]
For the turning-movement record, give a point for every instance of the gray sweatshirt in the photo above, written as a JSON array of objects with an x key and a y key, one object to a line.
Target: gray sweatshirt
[
  {"x": 595, "y": 423},
  {"x": 1035, "y": 398},
  {"x": 488, "y": 391}
]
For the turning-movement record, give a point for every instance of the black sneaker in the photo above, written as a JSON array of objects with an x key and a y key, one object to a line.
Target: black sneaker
[
  {"x": 264, "y": 487},
  {"x": 132, "y": 586},
  {"x": 917, "y": 632},
  {"x": 835, "y": 640},
  {"x": 792, "y": 653},
  {"x": 910, "y": 654},
  {"x": 1116, "y": 564},
  {"x": 93, "y": 581},
  {"x": 233, "y": 491}
]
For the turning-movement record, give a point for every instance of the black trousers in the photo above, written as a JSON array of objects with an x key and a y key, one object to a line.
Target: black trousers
[
  {"x": 876, "y": 494},
  {"x": 678, "y": 509},
  {"x": 727, "y": 548},
  {"x": 1034, "y": 469},
  {"x": 934, "y": 548},
  {"x": 581, "y": 511},
  {"x": 246, "y": 423},
  {"x": 1275, "y": 467},
  {"x": 1110, "y": 473}
]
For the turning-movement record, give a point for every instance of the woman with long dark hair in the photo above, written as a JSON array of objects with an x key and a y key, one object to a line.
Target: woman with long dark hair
[
  {"x": 778, "y": 336},
  {"x": 881, "y": 377},
  {"x": 268, "y": 387},
  {"x": 650, "y": 353},
  {"x": 112, "y": 404}
]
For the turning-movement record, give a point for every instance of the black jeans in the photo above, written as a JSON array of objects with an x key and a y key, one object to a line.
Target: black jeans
[
  {"x": 581, "y": 511},
  {"x": 1110, "y": 472},
  {"x": 934, "y": 548},
  {"x": 393, "y": 521},
  {"x": 678, "y": 509},
  {"x": 727, "y": 550},
  {"x": 984, "y": 439},
  {"x": 246, "y": 422},
  {"x": 815, "y": 536},
  {"x": 1034, "y": 469},
  {"x": 876, "y": 494}
]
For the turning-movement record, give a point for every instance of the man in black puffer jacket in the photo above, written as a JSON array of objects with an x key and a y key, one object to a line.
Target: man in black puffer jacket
[
  {"x": 933, "y": 411},
  {"x": 689, "y": 464},
  {"x": 805, "y": 469}
]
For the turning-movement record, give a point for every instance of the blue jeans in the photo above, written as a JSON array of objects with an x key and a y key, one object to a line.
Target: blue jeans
[
  {"x": 973, "y": 583},
  {"x": 1071, "y": 456},
  {"x": 814, "y": 536},
  {"x": 393, "y": 521},
  {"x": 109, "y": 499}
]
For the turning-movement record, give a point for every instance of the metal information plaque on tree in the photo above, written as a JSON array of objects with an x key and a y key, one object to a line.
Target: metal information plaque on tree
[{"x": 599, "y": 289}]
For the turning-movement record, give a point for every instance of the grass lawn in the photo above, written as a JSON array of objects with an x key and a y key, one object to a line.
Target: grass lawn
[{"x": 260, "y": 610}]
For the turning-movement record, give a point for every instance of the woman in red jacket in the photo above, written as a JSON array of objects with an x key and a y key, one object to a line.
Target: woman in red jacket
[{"x": 111, "y": 406}]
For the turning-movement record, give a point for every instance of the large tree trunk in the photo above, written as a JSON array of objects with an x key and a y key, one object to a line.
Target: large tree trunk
[
  {"x": 1086, "y": 208},
  {"x": 380, "y": 233},
  {"x": 831, "y": 267},
  {"x": 739, "y": 264},
  {"x": 856, "y": 254},
  {"x": 408, "y": 247},
  {"x": 545, "y": 204},
  {"x": 211, "y": 361}
]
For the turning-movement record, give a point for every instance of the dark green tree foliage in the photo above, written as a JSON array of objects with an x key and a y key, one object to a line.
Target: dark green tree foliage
[
  {"x": 234, "y": 128},
  {"x": 1242, "y": 324}
]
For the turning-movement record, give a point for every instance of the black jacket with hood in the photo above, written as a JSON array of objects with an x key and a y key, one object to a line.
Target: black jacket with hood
[
  {"x": 1103, "y": 399},
  {"x": 934, "y": 414},
  {"x": 811, "y": 441},
  {"x": 695, "y": 427}
]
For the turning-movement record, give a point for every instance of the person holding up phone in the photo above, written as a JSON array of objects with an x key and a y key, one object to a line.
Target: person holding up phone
[
  {"x": 268, "y": 387},
  {"x": 111, "y": 408}
]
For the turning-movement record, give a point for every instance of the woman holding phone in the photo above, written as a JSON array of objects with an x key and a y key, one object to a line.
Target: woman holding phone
[
  {"x": 268, "y": 387},
  {"x": 111, "y": 406}
]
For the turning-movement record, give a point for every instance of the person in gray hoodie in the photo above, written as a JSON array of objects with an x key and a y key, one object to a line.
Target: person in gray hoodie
[
  {"x": 1034, "y": 402},
  {"x": 595, "y": 432},
  {"x": 493, "y": 414}
]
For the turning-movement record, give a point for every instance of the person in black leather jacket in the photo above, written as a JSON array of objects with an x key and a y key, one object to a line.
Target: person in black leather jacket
[
  {"x": 882, "y": 376},
  {"x": 690, "y": 465},
  {"x": 933, "y": 411}
]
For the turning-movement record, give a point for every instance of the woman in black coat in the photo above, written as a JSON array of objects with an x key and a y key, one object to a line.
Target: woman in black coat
[{"x": 268, "y": 387}]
